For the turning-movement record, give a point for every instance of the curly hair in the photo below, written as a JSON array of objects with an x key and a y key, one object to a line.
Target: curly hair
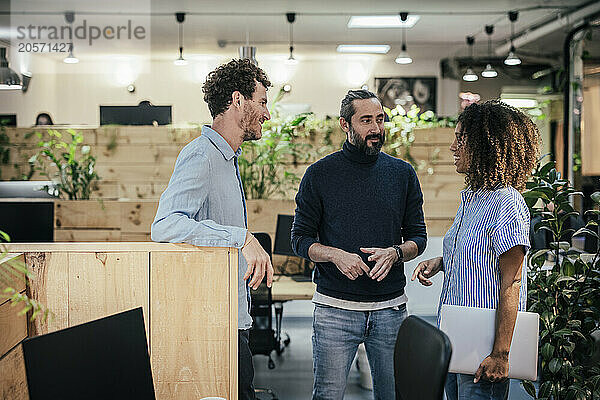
[
  {"x": 501, "y": 143},
  {"x": 237, "y": 75}
]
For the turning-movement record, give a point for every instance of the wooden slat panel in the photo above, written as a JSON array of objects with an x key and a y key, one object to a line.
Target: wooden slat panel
[
  {"x": 439, "y": 136},
  {"x": 88, "y": 235},
  {"x": 189, "y": 325},
  {"x": 125, "y": 135},
  {"x": 50, "y": 286},
  {"x": 136, "y": 173},
  {"x": 13, "y": 379},
  {"x": 19, "y": 284},
  {"x": 16, "y": 136},
  {"x": 87, "y": 214},
  {"x": 135, "y": 237},
  {"x": 102, "y": 284},
  {"x": 144, "y": 153},
  {"x": 13, "y": 327},
  {"x": 138, "y": 216},
  {"x": 437, "y": 227},
  {"x": 262, "y": 214}
]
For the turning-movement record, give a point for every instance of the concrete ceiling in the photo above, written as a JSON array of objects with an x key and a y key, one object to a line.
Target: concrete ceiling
[{"x": 320, "y": 25}]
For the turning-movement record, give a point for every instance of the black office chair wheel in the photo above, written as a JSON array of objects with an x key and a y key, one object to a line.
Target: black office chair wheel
[
  {"x": 286, "y": 342},
  {"x": 271, "y": 363}
]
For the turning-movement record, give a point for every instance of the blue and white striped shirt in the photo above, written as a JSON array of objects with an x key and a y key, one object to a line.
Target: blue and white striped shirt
[{"x": 488, "y": 223}]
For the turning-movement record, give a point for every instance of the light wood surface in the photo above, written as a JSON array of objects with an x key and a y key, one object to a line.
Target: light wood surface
[
  {"x": 188, "y": 295},
  {"x": 13, "y": 327},
  {"x": 285, "y": 288},
  {"x": 190, "y": 321},
  {"x": 590, "y": 132},
  {"x": 13, "y": 385}
]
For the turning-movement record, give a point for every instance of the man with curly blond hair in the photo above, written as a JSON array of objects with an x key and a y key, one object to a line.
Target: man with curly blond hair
[
  {"x": 496, "y": 147},
  {"x": 204, "y": 204}
]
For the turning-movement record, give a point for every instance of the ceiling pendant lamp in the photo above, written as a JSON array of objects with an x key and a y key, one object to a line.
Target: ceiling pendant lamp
[
  {"x": 291, "y": 18},
  {"x": 70, "y": 59},
  {"x": 470, "y": 75},
  {"x": 9, "y": 79},
  {"x": 180, "y": 17},
  {"x": 512, "y": 58},
  {"x": 403, "y": 57},
  {"x": 489, "y": 71},
  {"x": 248, "y": 52}
]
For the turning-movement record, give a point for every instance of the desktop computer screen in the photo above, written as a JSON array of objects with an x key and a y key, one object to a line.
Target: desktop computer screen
[{"x": 283, "y": 245}]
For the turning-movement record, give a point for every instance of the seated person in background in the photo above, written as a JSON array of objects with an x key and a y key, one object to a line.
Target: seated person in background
[{"x": 43, "y": 119}]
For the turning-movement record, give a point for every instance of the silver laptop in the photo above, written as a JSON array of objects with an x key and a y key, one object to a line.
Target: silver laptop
[{"x": 472, "y": 330}]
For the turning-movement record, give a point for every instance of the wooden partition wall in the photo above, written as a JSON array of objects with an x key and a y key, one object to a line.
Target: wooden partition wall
[{"x": 188, "y": 295}]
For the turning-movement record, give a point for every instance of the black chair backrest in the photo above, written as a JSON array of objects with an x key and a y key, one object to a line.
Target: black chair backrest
[
  {"x": 102, "y": 359},
  {"x": 261, "y": 297},
  {"x": 421, "y": 359}
]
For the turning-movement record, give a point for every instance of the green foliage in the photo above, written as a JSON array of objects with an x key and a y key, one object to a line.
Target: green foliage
[
  {"x": 401, "y": 130},
  {"x": 69, "y": 164},
  {"x": 13, "y": 272},
  {"x": 264, "y": 163},
  {"x": 565, "y": 292}
]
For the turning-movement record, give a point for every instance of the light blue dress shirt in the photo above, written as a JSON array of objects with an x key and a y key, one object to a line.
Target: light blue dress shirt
[
  {"x": 204, "y": 205},
  {"x": 488, "y": 223}
]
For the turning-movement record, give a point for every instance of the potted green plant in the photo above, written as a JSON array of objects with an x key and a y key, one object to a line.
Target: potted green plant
[
  {"x": 564, "y": 289},
  {"x": 69, "y": 164}
]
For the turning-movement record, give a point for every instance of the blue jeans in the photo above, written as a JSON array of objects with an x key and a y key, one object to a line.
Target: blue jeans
[
  {"x": 461, "y": 387},
  {"x": 336, "y": 336}
]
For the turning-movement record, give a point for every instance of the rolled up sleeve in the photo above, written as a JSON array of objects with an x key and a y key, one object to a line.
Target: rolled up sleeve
[{"x": 512, "y": 226}]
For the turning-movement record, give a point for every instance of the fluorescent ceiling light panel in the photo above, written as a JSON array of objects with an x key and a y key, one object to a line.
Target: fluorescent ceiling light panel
[
  {"x": 521, "y": 103},
  {"x": 363, "y": 48},
  {"x": 382, "y": 21}
]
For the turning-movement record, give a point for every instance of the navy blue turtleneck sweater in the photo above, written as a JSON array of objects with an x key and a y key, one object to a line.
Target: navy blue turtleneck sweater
[{"x": 350, "y": 200}]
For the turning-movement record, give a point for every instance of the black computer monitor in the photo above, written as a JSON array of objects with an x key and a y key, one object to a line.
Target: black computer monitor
[
  {"x": 283, "y": 235},
  {"x": 283, "y": 245},
  {"x": 102, "y": 359},
  {"x": 27, "y": 222},
  {"x": 142, "y": 114}
]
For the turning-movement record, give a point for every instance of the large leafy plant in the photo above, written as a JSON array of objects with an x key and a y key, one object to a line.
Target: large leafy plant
[
  {"x": 564, "y": 289},
  {"x": 401, "y": 130},
  {"x": 69, "y": 164},
  {"x": 264, "y": 163}
]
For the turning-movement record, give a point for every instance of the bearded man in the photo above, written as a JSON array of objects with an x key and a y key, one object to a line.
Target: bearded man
[
  {"x": 359, "y": 216},
  {"x": 204, "y": 203}
]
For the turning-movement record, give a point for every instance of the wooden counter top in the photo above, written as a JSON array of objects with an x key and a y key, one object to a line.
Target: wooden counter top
[{"x": 103, "y": 247}]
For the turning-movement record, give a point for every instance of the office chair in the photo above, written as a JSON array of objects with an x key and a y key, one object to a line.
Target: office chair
[
  {"x": 102, "y": 359},
  {"x": 421, "y": 360},
  {"x": 263, "y": 338}
]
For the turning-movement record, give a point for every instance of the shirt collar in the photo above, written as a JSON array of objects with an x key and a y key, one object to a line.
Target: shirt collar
[{"x": 220, "y": 143}]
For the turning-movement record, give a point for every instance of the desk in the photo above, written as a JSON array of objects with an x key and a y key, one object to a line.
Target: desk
[{"x": 285, "y": 288}]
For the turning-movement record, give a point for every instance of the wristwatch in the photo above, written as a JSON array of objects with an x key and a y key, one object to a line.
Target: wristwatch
[{"x": 399, "y": 253}]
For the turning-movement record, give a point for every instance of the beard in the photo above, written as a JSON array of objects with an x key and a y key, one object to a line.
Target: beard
[
  {"x": 250, "y": 121},
  {"x": 362, "y": 145}
]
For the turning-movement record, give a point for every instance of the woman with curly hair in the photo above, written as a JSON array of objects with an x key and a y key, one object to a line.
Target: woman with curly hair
[{"x": 496, "y": 147}]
